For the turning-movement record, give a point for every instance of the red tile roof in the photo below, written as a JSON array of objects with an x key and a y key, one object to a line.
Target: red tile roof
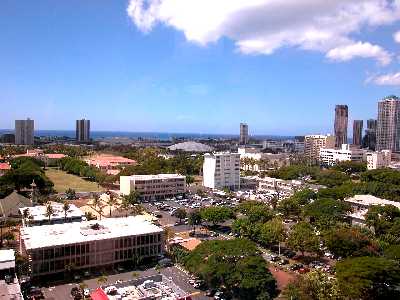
[
  {"x": 5, "y": 166},
  {"x": 99, "y": 294}
]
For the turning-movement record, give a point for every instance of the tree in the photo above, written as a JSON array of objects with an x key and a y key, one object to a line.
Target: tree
[
  {"x": 256, "y": 211},
  {"x": 272, "y": 232},
  {"x": 102, "y": 279},
  {"x": 111, "y": 201},
  {"x": 26, "y": 215},
  {"x": 289, "y": 207},
  {"x": 304, "y": 196},
  {"x": 369, "y": 278},
  {"x": 332, "y": 178},
  {"x": 382, "y": 218},
  {"x": 392, "y": 252},
  {"x": 70, "y": 194},
  {"x": 327, "y": 212},
  {"x": 235, "y": 264},
  {"x": 194, "y": 219},
  {"x": 49, "y": 211},
  {"x": 132, "y": 198},
  {"x": 216, "y": 214},
  {"x": 97, "y": 204},
  {"x": 180, "y": 213},
  {"x": 350, "y": 167},
  {"x": 352, "y": 241},
  {"x": 66, "y": 207},
  {"x": 303, "y": 238}
]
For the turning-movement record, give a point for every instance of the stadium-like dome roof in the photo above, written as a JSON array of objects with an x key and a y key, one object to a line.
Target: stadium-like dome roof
[{"x": 191, "y": 147}]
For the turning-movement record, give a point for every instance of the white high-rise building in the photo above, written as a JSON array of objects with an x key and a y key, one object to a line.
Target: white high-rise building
[
  {"x": 388, "y": 124},
  {"x": 24, "y": 132},
  {"x": 378, "y": 159},
  {"x": 221, "y": 170}
]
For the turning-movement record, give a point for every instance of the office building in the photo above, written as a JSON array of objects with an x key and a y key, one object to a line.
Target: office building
[
  {"x": 253, "y": 159},
  {"x": 90, "y": 244},
  {"x": 369, "y": 140},
  {"x": 154, "y": 187},
  {"x": 8, "y": 138},
  {"x": 314, "y": 143},
  {"x": 83, "y": 131},
  {"x": 340, "y": 126},
  {"x": 331, "y": 156},
  {"x": 24, "y": 132},
  {"x": 357, "y": 132},
  {"x": 244, "y": 134},
  {"x": 221, "y": 170},
  {"x": 378, "y": 159},
  {"x": 388, "y": 125}
]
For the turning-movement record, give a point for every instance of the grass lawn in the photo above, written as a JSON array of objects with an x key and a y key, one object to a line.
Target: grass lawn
[{"x": 63, "y": 181}]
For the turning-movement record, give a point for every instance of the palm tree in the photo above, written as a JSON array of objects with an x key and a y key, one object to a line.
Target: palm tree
[
  {"x": 102, "y": 279},
  {"x": 111, "y": 201},
  {"x": 49, "y": 211},
  {"x": 97, "y": 204},
  {"x": 26, "y": 215},
  {"x": 66, "y": 207}
]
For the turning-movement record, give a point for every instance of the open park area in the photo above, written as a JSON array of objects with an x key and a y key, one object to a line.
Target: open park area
[{"x": 63, "y": 181}]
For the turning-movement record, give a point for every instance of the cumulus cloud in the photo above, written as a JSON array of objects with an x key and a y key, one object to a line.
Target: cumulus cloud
[
  {"x": 396, "y": 37},
  {"x": 391, "y": 79},
  {"x": 365, "y": 50},
  {"x": 263, "y": 26}
]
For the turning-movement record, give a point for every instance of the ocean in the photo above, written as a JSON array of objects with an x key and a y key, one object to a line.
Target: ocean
[{"x": 162, "y": 136}]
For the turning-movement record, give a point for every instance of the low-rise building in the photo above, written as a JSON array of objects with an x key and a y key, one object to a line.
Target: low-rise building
[
  {"x": 37, "y": 215},
  {"x": 221, "y": 170},
  {"x": 4, "y": 168},
  {"x": 154, "y": 187},
  {"x": 378, "y": 159},
  {"x": 253, "y": 160},
  {"x": 360, "y": 205},
  {"x": 89, "y": 244},
  {"x": 280, "y": 185},
  {"x": 9, "y": 285},
  {"x": 331, "y": 156},
  {"x": 107, "y": 162}
]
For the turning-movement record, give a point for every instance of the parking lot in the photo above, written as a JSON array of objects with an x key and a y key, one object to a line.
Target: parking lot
[{"x": 173, "y": 273}]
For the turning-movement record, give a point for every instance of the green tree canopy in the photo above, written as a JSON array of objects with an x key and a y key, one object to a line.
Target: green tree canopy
[
  {"x": 369, "y": 278},
  {"x": 303, "y": 238},
  {"x": 216, "y": 215}
]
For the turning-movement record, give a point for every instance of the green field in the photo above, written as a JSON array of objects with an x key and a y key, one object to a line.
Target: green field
[{"x": 63, "y": 181}]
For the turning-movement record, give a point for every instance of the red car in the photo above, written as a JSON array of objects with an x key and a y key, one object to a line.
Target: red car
[{"x": 304, "y": 270}]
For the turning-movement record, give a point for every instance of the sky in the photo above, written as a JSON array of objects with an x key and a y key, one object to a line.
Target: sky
[{"x": 198, "y": 66}]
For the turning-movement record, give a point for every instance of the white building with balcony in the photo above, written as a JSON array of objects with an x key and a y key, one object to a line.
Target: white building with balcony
[{"x": 221, "y": 170}]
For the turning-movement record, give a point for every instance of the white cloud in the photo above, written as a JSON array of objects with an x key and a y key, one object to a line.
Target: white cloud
[
  {"x": 392, "y": 79},
  {"x": 396, "y": 37},
  {"x": 359, "y": 49},
  {"x": 263, "y": 26}
]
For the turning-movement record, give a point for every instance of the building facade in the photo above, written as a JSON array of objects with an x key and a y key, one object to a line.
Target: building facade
[
  {"x": 221, "y": 170},
  {"x": 370, "y": 135},
  {"x": 154, "y": 187},
  {"x": 378, "y": 159},
  {"x": 244, "y": 134},
  {"x": 388, "y": 125},
  {"x": 51, "y": 249},
  {"x": 314, "y": 143},
  {"x": 340, "y": 126},
  {"x": 357, "y": 132},
  {"x": 24, "y": 132},
  {"x": 331, "y": 156},
  {"x": 82, "y": 131}
]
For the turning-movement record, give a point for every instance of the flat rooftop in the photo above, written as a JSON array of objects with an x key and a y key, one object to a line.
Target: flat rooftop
[
  {"x": 369, "y": 200},
  {"x": 153, "y": 177},
  {"x": 38, "y": 213},
  {"x": 79, "y": 232},
  {"x": 7, "y": 259}
]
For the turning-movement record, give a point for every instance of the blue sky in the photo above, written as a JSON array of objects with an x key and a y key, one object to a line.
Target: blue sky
[{"x": 197, "y": 68}]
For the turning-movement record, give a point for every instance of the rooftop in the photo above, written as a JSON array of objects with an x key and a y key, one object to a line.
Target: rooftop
[
  {"x": 152, "y": 177},
  {"x": 79, "y": 232},
  {"x": 38, "y": 213},
  {"x": 5, "y": 166},
  {"x": 7, "y": 259},
  {"x": 369, "y": 200}
]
